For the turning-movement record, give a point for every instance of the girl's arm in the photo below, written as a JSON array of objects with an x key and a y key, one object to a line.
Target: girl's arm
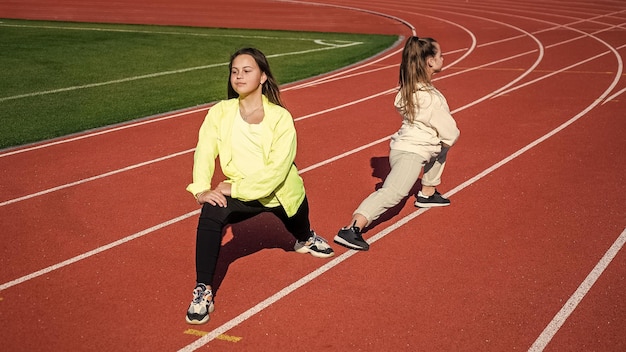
[
  {"x": 443, "y": 122},
  {"x": 205, "y": 153}
]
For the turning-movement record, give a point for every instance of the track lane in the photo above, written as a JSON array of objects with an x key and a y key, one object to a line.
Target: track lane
[{"x": 238, "y": 298}]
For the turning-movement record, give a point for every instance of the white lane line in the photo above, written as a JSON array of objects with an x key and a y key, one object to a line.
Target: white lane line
[
  {"x": 356, "y": 9},
  {"x": 188, "y": 34},
  {"x": 559, "y": 319},
  {"x": 135, "y": 166},
  {"x": 354, "y": 102},
  {"x": 309, "y": 277},
  {"x": 134, "y": 124},
  {"x": 163, "y": 73},
  {"x": 495, "y": 93},
  {"x": 96, "y": 251},
  {"x": 93, "y": 178},
  {"x": 155, "y": 228},
  {"x": 614, "y": 96},
  {"x": 151, "y": 229},
  {"x": 279, "y": 295},
  {"x": 288, "y": 88},
  {"x": 104, "y": 131},
  {"x": 124, "y": 240},
  {"x": 339, "y": 259}
]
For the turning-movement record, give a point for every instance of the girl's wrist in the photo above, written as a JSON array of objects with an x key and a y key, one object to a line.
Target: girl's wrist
[{"x": 199, "y": 194}]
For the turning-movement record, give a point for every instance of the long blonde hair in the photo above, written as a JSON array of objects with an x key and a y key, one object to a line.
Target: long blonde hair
[{"x": 413, "y": 71}]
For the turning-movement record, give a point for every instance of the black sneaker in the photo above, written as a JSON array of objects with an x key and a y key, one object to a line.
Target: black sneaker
[
  {"x": 436, "y": 200},
  {"x": 201, "y": 305},
  {"x": 351, "y": 237},
  {"x": 316, "y": 245}
]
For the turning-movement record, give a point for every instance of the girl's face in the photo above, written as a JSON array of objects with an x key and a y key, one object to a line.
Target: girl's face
[
  {"x": 246, "y": 76},
  {"x": 436, "y": 62}
]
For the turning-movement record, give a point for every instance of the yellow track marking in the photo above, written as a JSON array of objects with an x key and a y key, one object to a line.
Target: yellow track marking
[{"x": 220, "y": 337}]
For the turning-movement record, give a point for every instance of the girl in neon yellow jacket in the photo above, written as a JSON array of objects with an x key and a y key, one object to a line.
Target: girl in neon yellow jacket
[
  {"x": 277, "y": 182},
  {"x": 255, "y": 139}
]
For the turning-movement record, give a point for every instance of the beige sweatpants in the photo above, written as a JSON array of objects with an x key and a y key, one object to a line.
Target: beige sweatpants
[{"x": 405, "y": 171}]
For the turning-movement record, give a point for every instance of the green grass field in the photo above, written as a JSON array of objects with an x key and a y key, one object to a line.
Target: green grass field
[{"x": 59, "y": 78}]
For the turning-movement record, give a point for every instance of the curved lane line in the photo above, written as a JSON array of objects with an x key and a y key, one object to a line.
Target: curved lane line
[
  {"x": 329, "y": 265},
  {"x": 543, "y": 340},
  {"x": 496, "y": 93}
]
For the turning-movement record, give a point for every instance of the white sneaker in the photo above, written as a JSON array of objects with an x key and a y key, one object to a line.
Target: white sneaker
[
  {"x": 201, "y": 305},
  {"x": 316, "y": 245}
]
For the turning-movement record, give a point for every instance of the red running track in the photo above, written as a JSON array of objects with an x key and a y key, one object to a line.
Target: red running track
[{"x": 98, "y": 232}]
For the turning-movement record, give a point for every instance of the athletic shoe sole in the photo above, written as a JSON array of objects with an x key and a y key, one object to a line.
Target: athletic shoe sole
[
  {"x": 203, "y": 320},
  {"x": 431, "y": 205},
  {"x": 305, "y": 250},
  {"x": 197, "y": 322},
  {"x": 345, "y": 243}
]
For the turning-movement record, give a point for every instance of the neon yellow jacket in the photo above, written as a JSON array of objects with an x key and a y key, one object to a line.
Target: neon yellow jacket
[{"x": 279, "y": 143}]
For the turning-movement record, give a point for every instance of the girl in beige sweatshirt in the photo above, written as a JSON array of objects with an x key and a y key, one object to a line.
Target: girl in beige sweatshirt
[{"x": 428, "y": 130}]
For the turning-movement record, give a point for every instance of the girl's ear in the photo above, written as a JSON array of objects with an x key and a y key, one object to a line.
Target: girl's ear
[
  {"x": 263, "y": 78},
  {"x": 430, "y": 61}
]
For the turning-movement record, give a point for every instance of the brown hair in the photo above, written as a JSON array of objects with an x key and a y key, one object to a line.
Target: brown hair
[
  {"x": 270, "y": 87},
  {"x": 413, "y": 71}
]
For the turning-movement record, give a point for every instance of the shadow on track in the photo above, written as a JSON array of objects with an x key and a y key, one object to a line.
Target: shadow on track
[{"x": 263, "y": 231}]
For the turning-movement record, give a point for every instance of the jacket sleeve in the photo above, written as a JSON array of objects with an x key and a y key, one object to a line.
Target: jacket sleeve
[
  {"x": 443, "y": 122},
  {"x": 206, "y": 152},
  {"x": 278, "y": 161}
]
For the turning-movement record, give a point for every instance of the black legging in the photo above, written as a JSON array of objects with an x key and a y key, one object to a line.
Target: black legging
[{"x": 213, "y": 219}]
